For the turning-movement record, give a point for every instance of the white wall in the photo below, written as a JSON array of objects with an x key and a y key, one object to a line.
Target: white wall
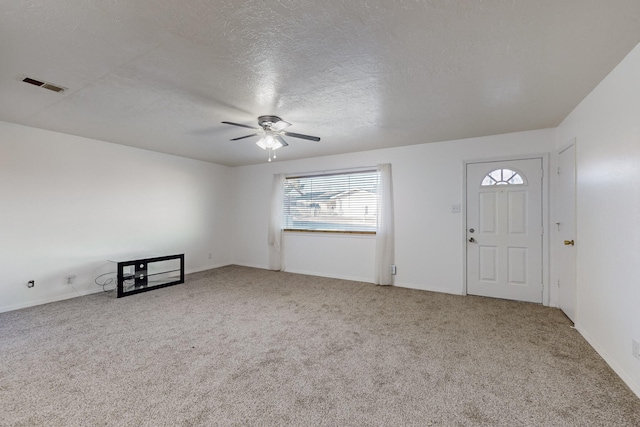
[
  {"x": 427, "y": 182},
  {"x": 67, "y": 204},
  {"x": 606, "y": 126}
]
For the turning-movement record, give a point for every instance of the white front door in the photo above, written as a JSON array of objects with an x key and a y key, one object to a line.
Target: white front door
[
  {"x": 504, "y": 229},
  {"x": 566, "y": 222}
]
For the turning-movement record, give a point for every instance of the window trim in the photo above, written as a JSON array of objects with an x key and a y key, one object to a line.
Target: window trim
[{"x": 333, "y": 172}]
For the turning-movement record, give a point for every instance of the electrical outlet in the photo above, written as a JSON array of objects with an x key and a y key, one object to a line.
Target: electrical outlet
[
  {"x": 31, "y": 283},
  {"x": 209, "y": 255},
  {"x": 635, "y": 349},
  {"x": 393, "y": 270}
]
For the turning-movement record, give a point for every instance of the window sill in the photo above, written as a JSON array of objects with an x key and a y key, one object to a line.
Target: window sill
[{"x": 332, "y": 232}]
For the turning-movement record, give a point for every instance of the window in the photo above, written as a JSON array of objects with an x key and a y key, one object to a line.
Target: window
[
  {"x": 502, "y": 177},
  {"x": 341, "y": 202}
]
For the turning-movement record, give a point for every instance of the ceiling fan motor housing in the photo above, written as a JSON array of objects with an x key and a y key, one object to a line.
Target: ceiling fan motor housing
[{"x": 267, "y": 121}]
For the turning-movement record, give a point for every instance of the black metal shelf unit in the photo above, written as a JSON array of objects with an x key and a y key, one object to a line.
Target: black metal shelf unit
[{"x": 146, "y": 274}]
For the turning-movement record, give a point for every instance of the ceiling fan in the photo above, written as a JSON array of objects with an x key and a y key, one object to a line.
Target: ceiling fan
[{"x": 272, "y": 129}]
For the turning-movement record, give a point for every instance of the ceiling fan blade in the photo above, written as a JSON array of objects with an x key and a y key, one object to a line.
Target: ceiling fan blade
[
  {"x": 281, "y": 140},
  {"x": 299, "y": 135},
  {"x": 246, "y": 136},
  {"x": 238, "y": 124},
  {"x": 280, "y": 125}
]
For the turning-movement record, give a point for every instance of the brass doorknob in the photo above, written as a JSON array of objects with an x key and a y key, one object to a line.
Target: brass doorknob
[{"x": 569, "y": 242}]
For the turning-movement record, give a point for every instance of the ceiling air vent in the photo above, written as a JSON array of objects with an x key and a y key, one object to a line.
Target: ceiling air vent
[
  {"x": 52, "y": 87},
  {"x": 45, "y": 85}
]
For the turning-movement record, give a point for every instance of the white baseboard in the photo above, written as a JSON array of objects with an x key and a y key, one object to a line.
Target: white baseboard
[
  {"x": 635, "y": 387},
  {"x": 83, "y": 292},
  {"x": 199, "y": 269},
  {"x": 50, "y": 299},
  {"x": 422, "y": 287},
  {"x": 309, "y": 273},
  {"x": 330, "y": 276},
  {"x": 261, "y": 267}
]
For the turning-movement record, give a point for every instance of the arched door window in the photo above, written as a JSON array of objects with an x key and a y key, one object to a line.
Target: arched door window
[{"x": 503, "y": 177}]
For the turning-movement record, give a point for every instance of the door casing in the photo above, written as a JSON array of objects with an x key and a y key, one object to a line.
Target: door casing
[{"x": 545, "y": 216}]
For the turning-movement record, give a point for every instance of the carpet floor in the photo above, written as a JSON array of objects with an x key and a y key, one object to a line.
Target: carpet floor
[{"x": 243, "y": 346}]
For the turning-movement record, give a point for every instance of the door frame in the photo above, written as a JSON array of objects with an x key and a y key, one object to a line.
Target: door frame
[
  {"x": 555, "y": 269},
  {"x": 544, "y": 157}
]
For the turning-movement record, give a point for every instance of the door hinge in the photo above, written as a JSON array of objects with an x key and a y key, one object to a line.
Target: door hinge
[
  {"x": 542, "y": 230},
  {"x": 558, "y": 282},
  {"x": 558, "y": 172}
]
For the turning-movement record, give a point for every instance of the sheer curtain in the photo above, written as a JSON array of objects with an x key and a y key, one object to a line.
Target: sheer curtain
[
  {"x": 275, "y": 222},
  {"x": 384, "y": 230}
]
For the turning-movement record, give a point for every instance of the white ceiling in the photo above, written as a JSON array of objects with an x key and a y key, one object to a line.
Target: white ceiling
[{"x": 361, "y": 74}]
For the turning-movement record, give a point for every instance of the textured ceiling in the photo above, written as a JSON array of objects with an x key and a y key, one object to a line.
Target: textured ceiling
[{"x": 361, "y": 74}]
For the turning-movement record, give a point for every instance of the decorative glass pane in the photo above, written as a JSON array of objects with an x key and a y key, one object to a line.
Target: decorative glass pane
[
  {"x": 516, "y": 179},
  {"x": 502, "y": 177},
  {"x": 488, "y": 181}
]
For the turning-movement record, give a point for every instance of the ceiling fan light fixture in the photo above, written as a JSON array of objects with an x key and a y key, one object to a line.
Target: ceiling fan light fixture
[{"x": 269, "y": 142}]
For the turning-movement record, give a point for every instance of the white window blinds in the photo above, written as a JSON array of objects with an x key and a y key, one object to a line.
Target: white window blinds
[{"x": 341, "y": 202}]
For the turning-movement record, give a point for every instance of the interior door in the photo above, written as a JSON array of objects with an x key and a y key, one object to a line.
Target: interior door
[
  {"x": 566, "y": 223},
  {"x": 504, "y": 229}
]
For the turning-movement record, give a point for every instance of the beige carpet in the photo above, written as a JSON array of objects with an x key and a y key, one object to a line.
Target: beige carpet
[{"x": 242, "y": 346}]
